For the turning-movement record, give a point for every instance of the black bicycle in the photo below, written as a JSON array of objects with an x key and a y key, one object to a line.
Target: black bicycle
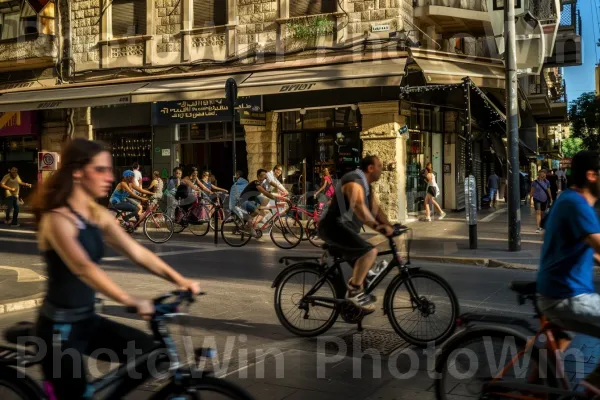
[
  {"x": 310, "y": 295},
  {"x": 182, "y": 380}
]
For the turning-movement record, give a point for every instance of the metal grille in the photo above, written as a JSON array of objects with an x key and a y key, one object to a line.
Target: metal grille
[
  {"x": 460, "y": 173},
  {"x": 477, "y": 171},
  {"x": 568, "y": 14},
  {"x": 543, "y": 10},
  {"x": 383, "y": 342}
]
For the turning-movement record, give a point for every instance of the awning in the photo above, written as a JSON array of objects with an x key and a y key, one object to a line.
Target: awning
[
  {"x": 209, "y": 87},
  {"x": 73, "y": 97},
  {"x": 449, "y": 71},
  {"x": 324, "y": 77},
  {"x": 499, "y": 146}
]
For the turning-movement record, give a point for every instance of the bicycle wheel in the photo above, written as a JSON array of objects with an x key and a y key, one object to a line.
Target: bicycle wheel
[
  {"x": 304, "y": 319},
  {"x": 16, "y": 387},
  {"x": 438, "y": 307},
  {"x": 286, "y": 231},
  {"x": 220, "y": 219},
  {"x": 201, "y": 227},
  {"x": 232, "y": 231},
  {"x": 464, "y": 369},
  {"x": 177, "y": 217},
  {"x": 158, "y": 227},
  {"x": 206, "y": 387},
  {"x": 312, "y": 230}
]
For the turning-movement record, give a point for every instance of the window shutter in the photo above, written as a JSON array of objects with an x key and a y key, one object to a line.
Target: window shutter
[
  {"x": 299, "y": 8},
  {"x": 210, "y": 13},
  {"x": 128, "y": 17}
]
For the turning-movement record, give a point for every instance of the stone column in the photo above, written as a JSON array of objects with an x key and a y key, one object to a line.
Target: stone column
[
  {"x": 380, "y": 124},
  {"x": 261, "y": 145}
]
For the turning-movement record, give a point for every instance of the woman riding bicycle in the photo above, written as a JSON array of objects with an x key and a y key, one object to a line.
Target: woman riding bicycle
[
  {"x": 72, "y": 229},
  {"x": 122, "y": 193}
]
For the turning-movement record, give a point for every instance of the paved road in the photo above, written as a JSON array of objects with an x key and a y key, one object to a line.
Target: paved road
[{"x": 237, "y": 318}]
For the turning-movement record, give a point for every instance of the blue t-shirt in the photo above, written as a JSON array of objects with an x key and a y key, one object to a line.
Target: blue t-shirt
[
  {"x": 540, "y": 190},
  {"x": 567, "y": 262}
]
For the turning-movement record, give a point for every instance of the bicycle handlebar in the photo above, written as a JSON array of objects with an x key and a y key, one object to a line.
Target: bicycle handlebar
[{"x": 162, "y": 308}]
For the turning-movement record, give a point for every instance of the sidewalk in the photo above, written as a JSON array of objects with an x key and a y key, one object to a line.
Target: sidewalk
[{"x": 447, "y": 240}]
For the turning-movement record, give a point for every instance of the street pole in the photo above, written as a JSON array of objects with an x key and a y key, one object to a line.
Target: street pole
[
  {"x": 512, "y": 128},
  {"x": 231, "y": 95},
  {"x": 470, "y": 183}
]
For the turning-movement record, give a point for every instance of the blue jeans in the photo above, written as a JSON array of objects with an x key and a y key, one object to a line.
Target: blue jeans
[
  {"x": 493, "y": 193},
  {"x": 579, "y": 314},
  {"x": 12, "y": 202}
]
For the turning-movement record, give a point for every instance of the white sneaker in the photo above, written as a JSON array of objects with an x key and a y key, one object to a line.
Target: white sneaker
[
  {"x": 443, "y": 215},
  {"x": 428, "y": 219},
  {"x": 361, "y": 300},
  {"x": 538, "y": 230}
]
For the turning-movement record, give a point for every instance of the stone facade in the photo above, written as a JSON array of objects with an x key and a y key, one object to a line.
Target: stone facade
[
  {"x": 43, "y": 46},
  {"x": 85, "y": 22},
  {"x": 257, "y": 24},
  {"x": 363, "y": 13},
  {"x": 380, "y": 124},
  {"x": 167, "y": 15},
  {"x": 261, "y": 145}
]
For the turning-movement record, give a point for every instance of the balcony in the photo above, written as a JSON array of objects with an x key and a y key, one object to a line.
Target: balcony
[
  {"x": 548, "y": 103},
  {"x": 567, "y": 48},
  {"x": 450, "y": 17},
  {"x": 550, "y": 147},
  {"x": 28, "y": 52}
]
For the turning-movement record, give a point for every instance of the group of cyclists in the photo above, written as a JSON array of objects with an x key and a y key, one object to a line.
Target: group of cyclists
[{"x": 73, "y": 230}]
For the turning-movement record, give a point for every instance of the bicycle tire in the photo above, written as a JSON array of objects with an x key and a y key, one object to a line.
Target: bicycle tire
[
  {"x": 201, "y": 228},
  {"x": 397, "y": 283},
  {"x": 281, "y": 315},
  {"x": 204, "y": 384},
  {"x": 291, "y": 232},
  {"x": 444, "y": 359},
  {"x": 234, "y": 223},
  {"x": 151, "y": 219},
  {"x": 22, "y": 386},
  {"x": 221, "y": 218}
]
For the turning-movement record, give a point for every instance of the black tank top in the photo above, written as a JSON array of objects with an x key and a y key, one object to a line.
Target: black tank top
[{"x": 65, "y": 289}]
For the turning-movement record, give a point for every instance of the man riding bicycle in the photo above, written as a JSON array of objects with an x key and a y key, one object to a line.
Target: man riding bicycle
[
  {"x": 565, "y": 284},
  {"x": 353, "y": 205}
]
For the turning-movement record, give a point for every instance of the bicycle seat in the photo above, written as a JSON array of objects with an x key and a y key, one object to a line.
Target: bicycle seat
[
  {"x": 525, "y": 288},
  {"x": 335, "y": 252}
]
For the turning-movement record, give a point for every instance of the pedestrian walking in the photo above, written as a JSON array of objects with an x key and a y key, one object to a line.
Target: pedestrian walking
[
  {"x": 493, "y": 185},
  {"x": 552, "y": 178},
  {"x": 540, "y": 197},
  {"x": 432, "y": 192},
  {"x": 11, "y": 183},
  {"x": 326, "y": 191}
]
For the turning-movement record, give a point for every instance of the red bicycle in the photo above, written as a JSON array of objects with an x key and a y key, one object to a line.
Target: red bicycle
[
  {"x": 310, "y": 229},
  {"x": 158, "y": 227}
]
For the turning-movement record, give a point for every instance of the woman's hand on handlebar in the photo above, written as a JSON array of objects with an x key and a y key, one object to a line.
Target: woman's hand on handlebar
[
  {"x": 190, "y": 285},
  {"x": 143, "y": 307},
  {"x": 385, "y": 229}
]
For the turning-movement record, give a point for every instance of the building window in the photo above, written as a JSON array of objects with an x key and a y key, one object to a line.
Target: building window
[
  {"x": 300, "y": 8},
  {"x": 26, "y": 18},
  {"x": 209, "y": 13},
  {"x": 128, "y": 18}
]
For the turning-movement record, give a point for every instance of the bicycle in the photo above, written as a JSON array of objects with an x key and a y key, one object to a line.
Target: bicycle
[
  {"x": 311, "y": 229},
  {"x": 194, "y": 217},
  {"x": 154, "y": 220},
  {"x": 323, "y": 287},
  {"x": 542, "y": 371},
  {"x": 285, "y": 230},
  {"x": 215, "y": 206},
  {"x": 182, "y": 378}
]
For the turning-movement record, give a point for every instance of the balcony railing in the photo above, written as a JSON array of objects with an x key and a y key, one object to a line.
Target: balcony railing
[
  {"x": 562, "y": 95},
  {"x": 471, "y": 5},
  {"x": 570, "y": 18}
]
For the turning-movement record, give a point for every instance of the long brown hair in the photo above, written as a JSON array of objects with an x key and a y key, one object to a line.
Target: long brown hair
[
  {"x": 56, "y": 190},
  {"x": 429, "y": 167}
]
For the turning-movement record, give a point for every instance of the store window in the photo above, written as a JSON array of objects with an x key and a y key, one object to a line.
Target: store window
[
  {"x": 128, "y": 18},
  {"x": 129, "y": 146},
  {"x": 209, "y": 13},
  {"x": 24, "y": 18},
  {"x": 300, "y": 8}
]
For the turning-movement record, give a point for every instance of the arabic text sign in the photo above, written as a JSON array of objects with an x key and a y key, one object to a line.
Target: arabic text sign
[{"x": 185, "y": 112}]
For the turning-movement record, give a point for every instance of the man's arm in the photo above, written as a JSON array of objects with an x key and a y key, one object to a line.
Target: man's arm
[
  {"x": 275, "y": 182},
  {"x": 380, "y": 216},
  {"x": 265, "y": 192},
  {"x": 3, "y": 184},
  {"x": 355, "y": 194},
  {"x": 22, "y": 183}
]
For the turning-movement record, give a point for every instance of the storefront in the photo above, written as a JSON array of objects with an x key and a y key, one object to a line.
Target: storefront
[
  {"x": 312, "y": 140},
  {"x": 19, "y": 143},
  {"x": 126, "y": 131}
]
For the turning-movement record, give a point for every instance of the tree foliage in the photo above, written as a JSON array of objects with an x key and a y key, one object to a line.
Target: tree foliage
[
  {"x": 585, "y": 120},
  {"x": 571, "y": 146}
]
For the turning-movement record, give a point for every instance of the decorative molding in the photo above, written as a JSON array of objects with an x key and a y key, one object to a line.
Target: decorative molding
[
  {"x": 126, "y": 51},
  {"x": 213, "y": 40}
]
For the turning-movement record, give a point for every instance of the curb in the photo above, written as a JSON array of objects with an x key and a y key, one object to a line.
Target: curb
[
  {"x": 21, "y": 305},
  {"x": 479, "y": 262}
]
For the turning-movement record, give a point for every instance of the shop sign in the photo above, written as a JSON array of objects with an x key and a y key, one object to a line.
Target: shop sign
[
  {"x": 166, "y": 152},
  {"x": 164, "y": 174},
  {"x": 200, "y": 111},
  {"x": 47, "y": 161},
  {"x": 17, "y": 123},
  {"x": 565, "y": 163},
  {"x": 253, "y": 118}
]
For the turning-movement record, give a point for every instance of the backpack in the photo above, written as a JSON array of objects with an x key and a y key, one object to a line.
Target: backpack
[
  {"x": 182, "y": 192},
  {"x": 329, "y": 190}
]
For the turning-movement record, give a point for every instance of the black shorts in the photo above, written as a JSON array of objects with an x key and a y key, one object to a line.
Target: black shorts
[
  {"x": 343, "y": 240},
  {"x": 540, "y": 205},
  {"x": 431, "y": 191}
]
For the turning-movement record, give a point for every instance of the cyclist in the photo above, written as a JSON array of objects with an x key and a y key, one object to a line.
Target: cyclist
[
  {"x": 158, "y": 185},
  {"x": 353, "y": 205},
  {"x": 565, "y": 281},
  {"x": 254, "y": 198},
  {"x": 71, "y": 234},
  {"x": 122, "y": 193},
  {"x": 194, "y": 183}
]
